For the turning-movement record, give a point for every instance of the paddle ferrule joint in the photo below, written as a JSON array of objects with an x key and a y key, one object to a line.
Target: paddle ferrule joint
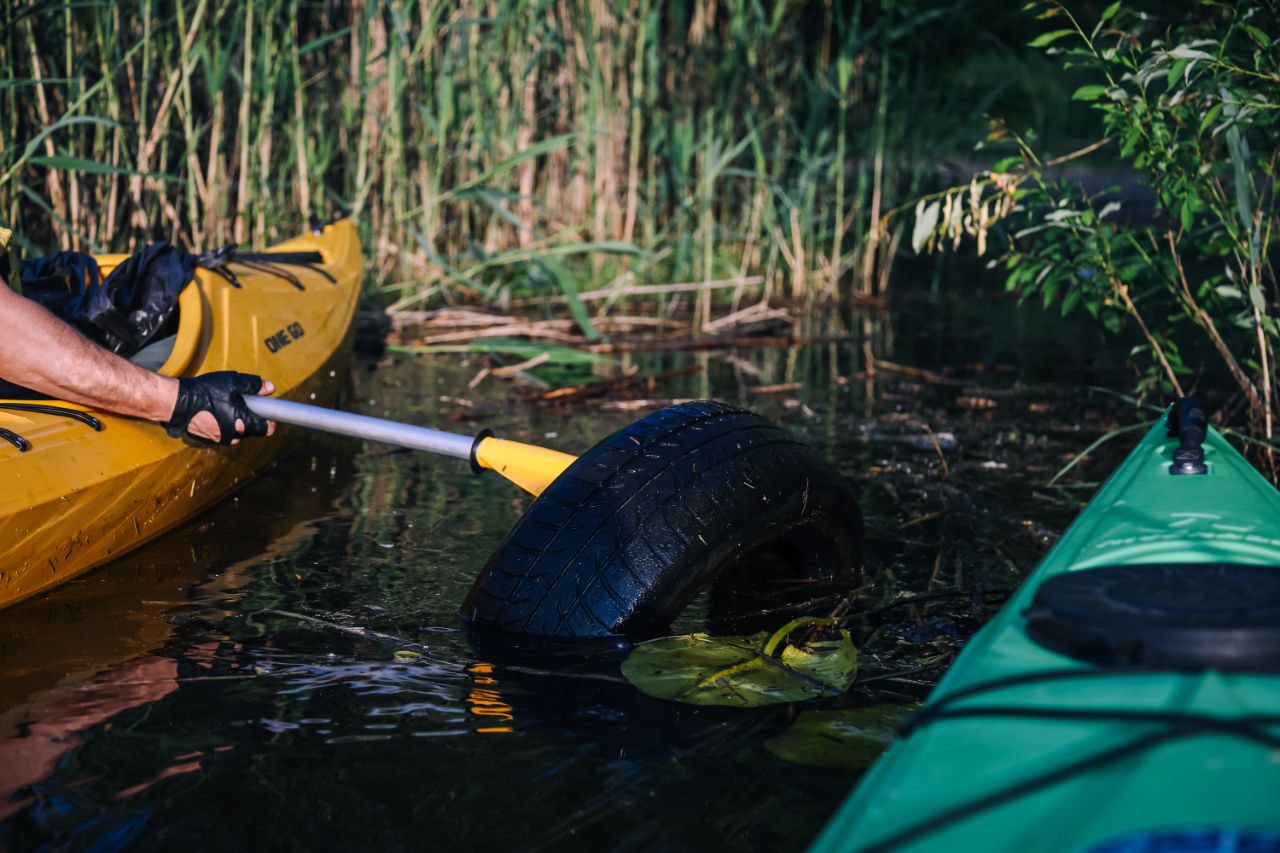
[{"x": 476, "y": 467}]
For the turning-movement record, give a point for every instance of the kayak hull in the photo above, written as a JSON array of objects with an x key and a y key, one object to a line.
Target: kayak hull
[
  {"x": 79, "y": 498},
  {"x": 1016, "y": 777}
]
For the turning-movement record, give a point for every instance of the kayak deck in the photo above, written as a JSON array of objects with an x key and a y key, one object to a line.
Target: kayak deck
[
  {"x": 79, "y": 497},
  {"x": 1056, "y": 754}
]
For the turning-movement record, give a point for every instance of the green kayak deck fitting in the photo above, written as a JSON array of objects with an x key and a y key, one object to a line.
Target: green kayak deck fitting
[{"x": 1126, "y": 698}]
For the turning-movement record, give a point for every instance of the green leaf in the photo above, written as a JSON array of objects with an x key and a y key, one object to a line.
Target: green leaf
[
  {"x": 1109, "y": 13},
  {"x": 509, "y": 346},
  {"x": 78, "y": 164},
  {"x": 1050, "y": 37},
  {"x": 1257, "y": 298},
  {"x": 18, "y": 82},
  {"x": 1210, "y": 117},
  {"x": 1049, "y": 289},
  {"x": 1070, "y": 299},
  {"x": 849, "y": 739},
  {"x": 1184, "y": 51},
  {"x": 561, "y": 275},
  {"x": 320, "y": 42},
  {"x": 1257, "y": 35},
  {"x": 1239, "y": 149},
  {"x": 497, "y": 202},
  {"x": 67, "y": 121},
  {"x": 538, "y": 149},
  {"x": 1089, "y": 92},
  {"x": 1187, "y": 215},
  {"x": 698, "y": 669}
]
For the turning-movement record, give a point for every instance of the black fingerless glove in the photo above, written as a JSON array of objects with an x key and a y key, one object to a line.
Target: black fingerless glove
[{"x": 221, "y": 395}]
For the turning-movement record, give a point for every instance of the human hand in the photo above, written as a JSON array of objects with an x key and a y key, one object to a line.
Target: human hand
[{"x": 211, "y": 408}]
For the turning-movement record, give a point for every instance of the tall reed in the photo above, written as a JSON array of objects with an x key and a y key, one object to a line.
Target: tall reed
[{"x": 483, "y": 145}]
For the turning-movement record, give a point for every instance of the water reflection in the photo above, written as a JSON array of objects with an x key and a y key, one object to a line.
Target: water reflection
[{"x": 486, "y": 702}]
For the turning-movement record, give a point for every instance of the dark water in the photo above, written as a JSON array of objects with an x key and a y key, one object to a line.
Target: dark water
[{"x": 157, "y": 703}]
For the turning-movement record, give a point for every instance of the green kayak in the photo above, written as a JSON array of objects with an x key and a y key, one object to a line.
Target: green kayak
[{"x": 1127, "y": 698}]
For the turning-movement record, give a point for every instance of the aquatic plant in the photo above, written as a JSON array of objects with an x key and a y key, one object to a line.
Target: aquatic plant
[
  {"x": 844, "y": 739},
  {"x": 744, "y": 672}
]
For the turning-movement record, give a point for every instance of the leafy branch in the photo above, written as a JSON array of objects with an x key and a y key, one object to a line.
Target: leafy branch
[{"x": 1190, "y": 106}]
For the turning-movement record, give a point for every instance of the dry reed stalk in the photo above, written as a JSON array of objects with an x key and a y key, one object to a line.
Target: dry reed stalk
[
  {"x": 253, "y": 113},
  {"x": 622, "y": 324},
  {"x": 760, "y": 312},
  {"x": 450, "y": 318},
  {"x": 780, "y": 388},
  {"x": 547, "y": 330},
  {"x": 654, "y": 289},
  {"x": 513, "y": 370},
  {"x": 638, "y": 405},
  {"x": 299, "y": 122},
  {"x": 53, "y": 177}
]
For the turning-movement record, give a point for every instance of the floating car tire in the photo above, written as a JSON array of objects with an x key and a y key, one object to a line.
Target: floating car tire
[{"x": 621, "y": 542}]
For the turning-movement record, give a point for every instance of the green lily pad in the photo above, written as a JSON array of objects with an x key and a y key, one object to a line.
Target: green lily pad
[
  {"x": 699, "y": 669},
  {"x": 848, "y": 739}
]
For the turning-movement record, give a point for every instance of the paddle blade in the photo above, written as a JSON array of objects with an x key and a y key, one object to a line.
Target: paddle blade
[{"x": 531, "y": 468}]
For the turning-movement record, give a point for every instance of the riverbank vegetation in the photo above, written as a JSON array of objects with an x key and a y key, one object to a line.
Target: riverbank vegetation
[
  {"x": 1191, "y": 106},
  {"x": 574, "y": 154},
  {"x": 499, "y": 147}
]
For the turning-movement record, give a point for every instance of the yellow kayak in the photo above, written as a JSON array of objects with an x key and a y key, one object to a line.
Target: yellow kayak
[{"x": 79, "y": 497}]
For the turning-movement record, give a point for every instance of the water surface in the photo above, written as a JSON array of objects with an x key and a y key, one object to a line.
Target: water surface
[{"x": 166, "y": 700}]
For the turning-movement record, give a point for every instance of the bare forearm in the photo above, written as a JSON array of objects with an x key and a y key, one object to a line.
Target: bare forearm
[{"x": 39, "y": 351}]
